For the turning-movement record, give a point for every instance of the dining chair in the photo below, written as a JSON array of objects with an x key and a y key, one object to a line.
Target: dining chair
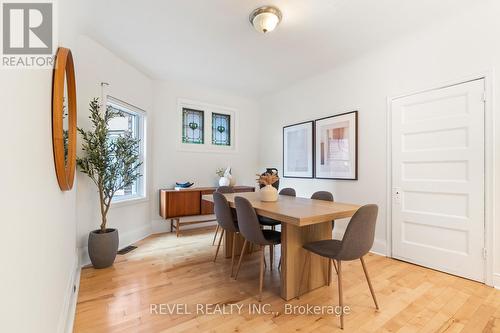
[
  {"x": 221, "y": 189},
  {"x": 323, "y": 195},
  {"x": 251, "y": 231},
  {"x": 227, "y": 222},
  {"x": 266, "y": 221},
  {"x": 357, "y": 241}
]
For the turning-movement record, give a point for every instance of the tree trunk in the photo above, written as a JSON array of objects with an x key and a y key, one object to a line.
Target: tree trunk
[{"x": 103, "y": 210}]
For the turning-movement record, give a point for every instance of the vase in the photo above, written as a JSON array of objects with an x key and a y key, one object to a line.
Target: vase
[
  {"x": 224, "y": 181},
  {"x": 268, "y": 193},
  {"x": 102, "y": 247}
]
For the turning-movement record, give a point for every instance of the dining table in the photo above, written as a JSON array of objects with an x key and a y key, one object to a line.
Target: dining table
[{"x": 303, "y": 220}]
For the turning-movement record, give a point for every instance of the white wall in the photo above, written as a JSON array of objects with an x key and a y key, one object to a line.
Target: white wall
[
  {"x": 38, "y": 247},
  {"x": 95, "y": 64},
  {"x": 171, "y": 165},
  {"x": 452, "y": 49}
]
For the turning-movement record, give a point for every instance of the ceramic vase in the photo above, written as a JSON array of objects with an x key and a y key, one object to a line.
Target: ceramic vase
[
  {"x": 268, "y": 193},
  {"x": 224, "y": 181}
]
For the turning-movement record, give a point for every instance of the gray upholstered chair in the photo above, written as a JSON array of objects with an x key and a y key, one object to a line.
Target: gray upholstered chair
[
  {"x": 251, "y": 231},
  {"x": 266, "y": 221},
  {"x": 357, "y": 241},
  {"x": 288, "y": 191},
  {"x": 323, "y": 195},
  {"x": 222, "y": 189},
  {"x": 226, "y": 221}
]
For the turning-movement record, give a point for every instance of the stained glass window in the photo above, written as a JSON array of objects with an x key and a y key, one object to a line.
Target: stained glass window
[
  {"x": 192, "y": 126},
  {"x": 221, "y": 129}
]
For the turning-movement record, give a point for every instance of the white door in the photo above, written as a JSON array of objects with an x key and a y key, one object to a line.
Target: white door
[{"x": 438, "y": 179}]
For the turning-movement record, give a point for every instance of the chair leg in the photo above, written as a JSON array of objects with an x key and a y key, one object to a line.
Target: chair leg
[
  {"x": 241, "y": 257},
  {"x": 369, "y": 282},
  {"x": 218, "y": 246},
  {"x": 279, "y": 265},
  {"x": 215, "y": 235},
  {"x": 233, "y": 250},
  {"x": 341, "y": 300},
  {"x": 261, "y": 280},
  {"x": 265, "y": 261},
  {"x": 329, "y": 282},
  {"x": 271, "y": 255},
  {"x": 306, "y": 259},
  {"x": 335, "y": 265}
]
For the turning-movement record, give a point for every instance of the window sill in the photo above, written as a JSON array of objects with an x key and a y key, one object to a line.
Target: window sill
[
  {"x": 204, "y": 148},
  {"x": 128, "y": 201}
]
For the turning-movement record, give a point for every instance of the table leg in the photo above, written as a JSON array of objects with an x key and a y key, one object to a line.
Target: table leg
[{"x": 293, "y": 256}]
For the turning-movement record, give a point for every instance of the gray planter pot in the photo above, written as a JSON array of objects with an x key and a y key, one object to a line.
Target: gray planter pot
[{"x": 103, "y": 247}]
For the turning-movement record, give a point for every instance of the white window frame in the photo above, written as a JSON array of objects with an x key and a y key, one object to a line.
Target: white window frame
[
  {"x": 142, "y": 135},
  {"x": 207, "y": 146}
]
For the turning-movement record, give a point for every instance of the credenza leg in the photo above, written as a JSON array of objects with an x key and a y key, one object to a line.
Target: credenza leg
[
  {"x": 177, "y": 227},
  {"x": 171, "y": 225}
]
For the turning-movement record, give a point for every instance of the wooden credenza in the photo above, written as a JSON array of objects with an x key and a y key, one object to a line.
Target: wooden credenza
[{"x": 188, "y": 202}]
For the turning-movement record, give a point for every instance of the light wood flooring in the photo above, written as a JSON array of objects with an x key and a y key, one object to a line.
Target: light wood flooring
[{"x": 169, "y": 270}]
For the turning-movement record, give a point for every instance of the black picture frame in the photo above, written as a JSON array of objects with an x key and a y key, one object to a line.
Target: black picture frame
[
  {"x": 311, "y": 122},
  {"x": 356, "y": 139}
]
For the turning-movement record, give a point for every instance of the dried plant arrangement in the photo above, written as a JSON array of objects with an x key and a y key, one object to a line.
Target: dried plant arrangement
[
  {"x": 220, "y": 172},
  {"x": 267, "y": 179}
]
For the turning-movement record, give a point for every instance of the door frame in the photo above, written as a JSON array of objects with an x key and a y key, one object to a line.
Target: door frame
[{"x": 489, "y": 164}]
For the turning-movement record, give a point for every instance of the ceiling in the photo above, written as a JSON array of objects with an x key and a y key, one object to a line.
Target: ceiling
[{"x": 211, "y": 42}]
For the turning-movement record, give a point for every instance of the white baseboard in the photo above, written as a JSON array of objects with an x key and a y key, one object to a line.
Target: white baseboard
[
  {"x": 496, "y": 280},
  {"x": 67, "y": 316},
  {"x": 162, "y": 226},
  {"x": 126, "y": 239}
]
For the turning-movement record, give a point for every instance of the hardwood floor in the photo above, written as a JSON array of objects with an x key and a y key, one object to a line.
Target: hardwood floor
[{"x": 169, "y": 270}]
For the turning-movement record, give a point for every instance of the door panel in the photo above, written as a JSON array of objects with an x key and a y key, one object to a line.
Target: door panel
[{"x": 438, "y": 179}]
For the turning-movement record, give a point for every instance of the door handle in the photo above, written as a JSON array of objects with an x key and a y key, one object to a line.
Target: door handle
[{"x": 396, "y": 195}]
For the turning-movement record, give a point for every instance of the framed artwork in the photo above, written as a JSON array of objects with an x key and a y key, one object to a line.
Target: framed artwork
[
  {"x": 298, "y": 150},
  {"x": 336, "y": 150}
]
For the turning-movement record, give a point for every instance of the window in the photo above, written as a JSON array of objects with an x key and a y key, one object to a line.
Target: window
[
  {"x": 132, "y": 120},
  {"x": 206, "y": 128},
  {"x": 221, "y": 129},
  {"x": 192, "y": 126}
]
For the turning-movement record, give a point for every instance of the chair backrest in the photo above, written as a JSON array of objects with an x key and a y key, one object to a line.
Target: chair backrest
[
  {"x": 359, "y": 234},
  {"x": 248, "y": 221},
  {"x": 223, "y": 212},
  {"x": 288, "y": 191},
  {"x": 322, "y": 195},
  {"x": 225, "y": 189}
]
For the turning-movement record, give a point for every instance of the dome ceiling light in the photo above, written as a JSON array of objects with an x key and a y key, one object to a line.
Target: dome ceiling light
[{"x": 265, "y": 19}]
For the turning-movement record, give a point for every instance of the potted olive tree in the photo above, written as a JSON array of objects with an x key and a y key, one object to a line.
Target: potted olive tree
[{"x": 112, "y": 164}]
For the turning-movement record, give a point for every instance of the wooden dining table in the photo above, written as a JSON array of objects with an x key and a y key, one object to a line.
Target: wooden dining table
[{"x": 302, "y": 220}]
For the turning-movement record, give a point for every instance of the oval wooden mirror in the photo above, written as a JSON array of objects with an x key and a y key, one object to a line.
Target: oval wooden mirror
[{"x": 64, "y": 118}]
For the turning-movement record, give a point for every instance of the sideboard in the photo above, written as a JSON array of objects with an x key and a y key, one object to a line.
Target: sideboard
[{"x": 188, "y": 202}]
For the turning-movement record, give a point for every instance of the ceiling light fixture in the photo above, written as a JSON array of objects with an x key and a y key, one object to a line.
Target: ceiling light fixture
[{"x": 265, "y": 19}]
